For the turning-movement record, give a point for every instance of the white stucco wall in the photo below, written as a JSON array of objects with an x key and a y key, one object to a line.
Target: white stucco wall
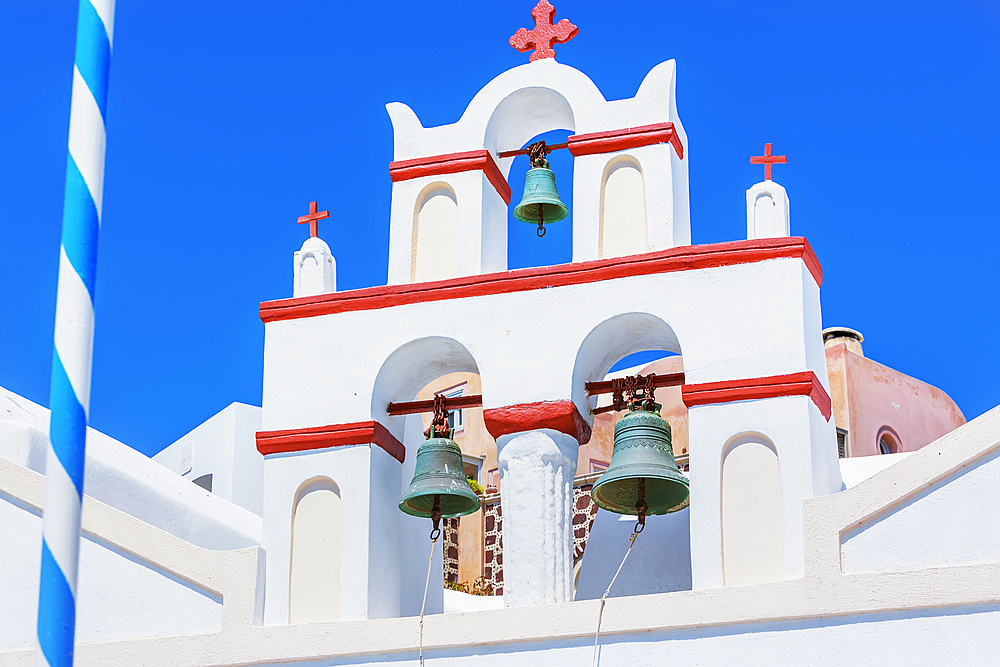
[
  {"x": 660, "y": 561},
  {"x": 127, "y": 480},
  {"x": 224, "y": 446},
  {"x": 118, "y": 597},
  {"x": 931, "y": 528},
  {"x": 135, "y": 579}
]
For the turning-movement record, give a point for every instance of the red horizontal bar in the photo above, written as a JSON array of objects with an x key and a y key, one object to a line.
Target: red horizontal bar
[{"x": 685, "y": 258}]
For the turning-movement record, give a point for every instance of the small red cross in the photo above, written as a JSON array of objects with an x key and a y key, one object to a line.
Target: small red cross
[
  {"x": 544, "y": 34},
  {"x": 767, "y": 160},
  {"x": 313, "y": 219}
]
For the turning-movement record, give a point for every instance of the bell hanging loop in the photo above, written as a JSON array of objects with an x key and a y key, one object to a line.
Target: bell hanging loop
[
  {"x": 642, "y": 478},
  {"x": 540, "y": 204}
]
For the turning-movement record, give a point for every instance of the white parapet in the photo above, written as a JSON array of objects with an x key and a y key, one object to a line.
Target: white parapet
[
  {"x": 767, "y": 211},
  {"x": 315, "y": 271}
]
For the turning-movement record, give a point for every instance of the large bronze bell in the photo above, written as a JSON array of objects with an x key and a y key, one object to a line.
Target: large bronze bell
[
  {"x": 540, "y": 202},
  {"x": 439, "y": 488},
  {"x": 642, "y": 478}
]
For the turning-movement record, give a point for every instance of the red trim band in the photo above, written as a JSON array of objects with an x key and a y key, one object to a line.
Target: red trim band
[
  {"x": 630, "y": 137},
  {"x": 794, "y": 384},
  {"x": 561, "y": 416},
  {"x": 334, "y": 435},
  {"x": 685, "y": 258},
  {"x": 452, "y": 163}
]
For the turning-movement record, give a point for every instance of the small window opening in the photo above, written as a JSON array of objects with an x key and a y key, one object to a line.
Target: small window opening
[
  {"x": 205, "y": 482},
  {"x": 842, "y": 443},
  {"x": 888, "y": 442}
]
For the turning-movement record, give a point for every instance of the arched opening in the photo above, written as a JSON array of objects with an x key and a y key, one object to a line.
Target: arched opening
[
  {"x": 314, "y": 579},
  {"x": 752, "y": 542},
  {"x": 888, "y": 441},
  {"x": 419, "y": 370},
  {"x": 626, "y": 345},
  {"x": 623, "y": 226},
  {"x": 524, "y": 247},
  {"x": 435, "y": 234}
]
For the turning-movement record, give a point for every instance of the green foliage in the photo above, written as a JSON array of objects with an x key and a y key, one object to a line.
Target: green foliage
[
  {"x": 476, "y": 486},
  {"x": 478, "y": 587}
]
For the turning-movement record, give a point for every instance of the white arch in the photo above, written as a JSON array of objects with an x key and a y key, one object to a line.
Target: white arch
[
  {"x": 611, "y": 341},
  {"x": 410, "y": 368}
]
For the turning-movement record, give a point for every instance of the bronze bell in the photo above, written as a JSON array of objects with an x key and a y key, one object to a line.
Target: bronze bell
[
  {"x": 439, "y": 488},
  {"x": 540, "y": 202},
  {"x": 642, "y": 478}
]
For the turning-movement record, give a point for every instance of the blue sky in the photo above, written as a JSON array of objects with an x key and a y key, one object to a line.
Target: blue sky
[{"x": 226, "y": 118}]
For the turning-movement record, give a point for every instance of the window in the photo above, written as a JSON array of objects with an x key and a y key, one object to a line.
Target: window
[
  {"x": 888, "y": 441},
  {"x": 456, "y": 418},
  {"x": 205, "y": 482},
  {"x": 842, "y": 443},
  {"x": 493, "y": 479},
  {"x": 472, "y": 465}
]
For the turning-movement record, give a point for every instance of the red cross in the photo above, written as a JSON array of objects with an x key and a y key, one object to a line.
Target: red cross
[
  {"x": 313, "y": 219},
  {"x": 767, "y": 160},
  {"x": 544, "y": 34}
]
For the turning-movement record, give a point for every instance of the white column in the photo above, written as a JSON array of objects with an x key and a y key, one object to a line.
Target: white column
[
  {"x": 536, "y": 494},
  {"x": 315, "y": 271}
]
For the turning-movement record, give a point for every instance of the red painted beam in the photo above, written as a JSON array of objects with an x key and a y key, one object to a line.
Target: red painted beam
[
  {"x": 805, "y": 383},
  {"x": 685, "y": 258},
  {"x": 334, "y": 435}
]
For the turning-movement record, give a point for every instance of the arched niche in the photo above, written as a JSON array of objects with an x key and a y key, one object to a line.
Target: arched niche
[
  {"x": 526, "y": 113},
  {"x": 612, "y": 340},
  {"x": 314, "y": 576},
  {"x": 435, "y": 248},
  {"x": 752, "y": 539},
  {"x": 623, "y": 220}
]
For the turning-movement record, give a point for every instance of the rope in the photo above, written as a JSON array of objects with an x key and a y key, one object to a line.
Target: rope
[
  {"x": 604, "y": 598},
  {"x": 424, "y": 603}
]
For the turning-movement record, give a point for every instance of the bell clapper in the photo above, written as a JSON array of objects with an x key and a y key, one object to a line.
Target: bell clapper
[
  {"x": 640, "y": 509},
  {"x": 436, "y": 518},
  {"x": 541, "y": 222}
]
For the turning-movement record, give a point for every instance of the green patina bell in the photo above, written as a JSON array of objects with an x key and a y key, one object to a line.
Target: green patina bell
[
  {"x": 642, "y": 471},
  {"x": 540, "y": 203},
  {"x": 439, "y": 486}
]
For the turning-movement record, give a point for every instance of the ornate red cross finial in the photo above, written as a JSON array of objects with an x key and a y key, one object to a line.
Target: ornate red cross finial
[
  {"x": 544, "y": 34},
  {"x": 313, "y": 218},
  {"x": 767, "y": 160}
]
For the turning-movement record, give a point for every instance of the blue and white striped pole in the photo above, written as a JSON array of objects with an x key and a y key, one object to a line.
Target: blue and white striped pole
[{"x": 74, "y": 335}]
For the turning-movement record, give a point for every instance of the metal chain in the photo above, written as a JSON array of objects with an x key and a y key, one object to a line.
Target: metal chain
[
  {"x": 537, "y": 152},
  {"x": 439, "y": 424}
]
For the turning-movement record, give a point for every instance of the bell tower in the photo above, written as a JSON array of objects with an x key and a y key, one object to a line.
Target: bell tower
[{"x": 450, "y": 194}]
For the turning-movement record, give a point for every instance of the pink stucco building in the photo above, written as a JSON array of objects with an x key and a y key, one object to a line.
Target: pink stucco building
[{"x": 879, "y": 410}]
